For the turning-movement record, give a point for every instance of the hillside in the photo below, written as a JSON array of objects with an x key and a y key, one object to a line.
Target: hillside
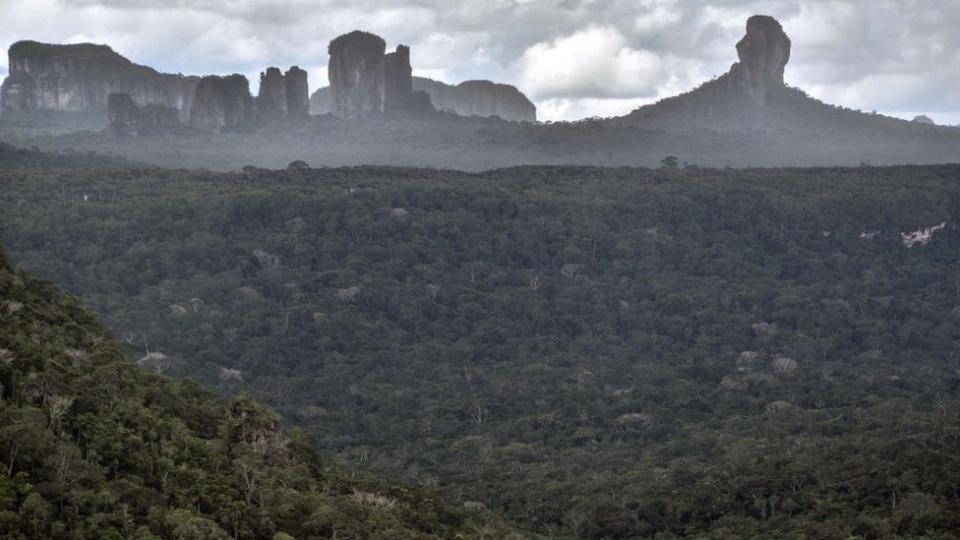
[
  {"x": 599, "y": 353},
  {"x": 95, "y": 447}
]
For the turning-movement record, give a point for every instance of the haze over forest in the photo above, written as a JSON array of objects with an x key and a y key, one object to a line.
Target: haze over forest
[{"x": 479, "y": 270}]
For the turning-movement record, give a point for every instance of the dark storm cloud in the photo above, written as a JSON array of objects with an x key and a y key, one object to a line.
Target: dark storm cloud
[{"x": 574, "y": 57}]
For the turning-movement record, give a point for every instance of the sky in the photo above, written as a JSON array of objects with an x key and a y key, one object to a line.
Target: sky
[{"x": 573, "y": 58}]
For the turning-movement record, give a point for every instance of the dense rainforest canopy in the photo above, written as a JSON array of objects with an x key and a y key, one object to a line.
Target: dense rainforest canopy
[
  {"x": 94, "y": 447},
  {"x": 599, "y": 353}
]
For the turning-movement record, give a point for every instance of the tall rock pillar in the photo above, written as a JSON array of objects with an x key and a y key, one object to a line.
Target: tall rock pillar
[{"x": 356, "y": 74}]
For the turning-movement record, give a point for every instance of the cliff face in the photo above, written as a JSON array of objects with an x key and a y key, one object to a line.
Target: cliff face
[
  {"x": 126, "y": 117},
  {"x": 221, "y": 103},
  {"x": 479, "y": 98},
  {"x": 283, "y": 95},
  {"x": 471, "y": 98},
  {"x": 764, "y": 52},
  {"x": 272, "y": 100},
  {"x": 298, "y": 93},
  {"x": 80, "y": 77},
  {"x": 356, "y": 74},
  {"x": 399, "y": 95}
]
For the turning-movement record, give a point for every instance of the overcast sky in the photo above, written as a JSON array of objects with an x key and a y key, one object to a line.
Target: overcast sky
[{"x": 573, "y": 58}]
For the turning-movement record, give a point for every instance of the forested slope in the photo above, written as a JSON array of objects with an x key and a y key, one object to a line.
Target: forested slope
[
  {"x": 94, "y": 447},
  {"x": 602, "y": 353}
]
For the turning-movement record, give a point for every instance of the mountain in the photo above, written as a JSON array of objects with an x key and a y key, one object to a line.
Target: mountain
[
  {"x": 593, "y": 353},
  {"x": 469, "y": 98},
  {"x": 78, "y": 78},
  {"x": 746, "y": 117},
  {"x": 95, "y": 447},
  {"x": 752, "y": 96},
  {"x": 479, "y": 98}
]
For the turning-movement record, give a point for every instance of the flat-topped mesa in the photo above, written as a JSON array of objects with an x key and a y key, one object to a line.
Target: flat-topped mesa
[
  {"x": 78, "y": 78},
  {"x": 298, "y": 93},
  {"x": 356, "y": 74},
  {"x": 221, "y": 103},
  {"x": 764, "y": 52},
  {"x": 479, "y": 98}
]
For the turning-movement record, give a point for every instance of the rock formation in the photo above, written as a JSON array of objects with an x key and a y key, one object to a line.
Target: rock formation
[
  {"x": 127, "y": 117},
  {"x": 472, "y": 98},
  {"x": 221, "y": 103},
  {"x": 272, "y": 99},
  {"x": 924, "y": 119},
  {"x": 397, "y": 80},
  {"x": 283, "y": 95},
  {"x": 479, "y": 98},
  {"x": 751, "y": 94},
  {"x": 364, "y": 80},
  {"x": 764, "y": 52},
  {"x": 81, "y": 77},
  {"x": 298, "y": 93},
  {"x": 398, "y": 93},
  {"x": 356, "y": 74},
  {"x": 321, "y": 102},
  {"x": 122, "y": 110}
]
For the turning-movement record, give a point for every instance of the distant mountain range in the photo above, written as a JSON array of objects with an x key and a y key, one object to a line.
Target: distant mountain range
[{"x": 376, "y": 112}]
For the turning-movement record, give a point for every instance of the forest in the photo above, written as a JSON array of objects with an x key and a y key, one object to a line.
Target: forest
[
  {"x": 587, "y": 352},
  {"x": 95, "y": 447}
]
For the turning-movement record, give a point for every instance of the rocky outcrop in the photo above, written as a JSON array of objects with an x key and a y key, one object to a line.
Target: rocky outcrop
[
  {"x": 221, "y": 103},
  {"x": 397, "y": 80},
  {"x": 479, "y": 98},
  {"x": 764, "y": 52},
  {"x": 472, "y": 98},
  {"x": 398, "y": 93},
  {"x": 122, "y": 111},
  {"x": 356, "y": 74},
  {"x": 76, "y": 78},
  {"x": 321, "y": 102},
  {"x": 283, "y": 95},
  {"x": 924, "y": 119},
  {"x": 126, "y": 117},
  {"x": 751, "y": 94},
  {"x": 364, "y": 80},
  {"x": 298, "y": 93},
  {"x": 272, "y": 99}
]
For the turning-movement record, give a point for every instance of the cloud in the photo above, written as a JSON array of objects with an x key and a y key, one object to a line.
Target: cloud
[{"x": 596, "y": 62}]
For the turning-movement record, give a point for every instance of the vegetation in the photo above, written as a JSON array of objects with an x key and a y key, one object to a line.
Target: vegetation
[
  {"x": 94, "y": 447},
  {"x": 12, "y": 157},
  {"x": 598, "y": 353}
]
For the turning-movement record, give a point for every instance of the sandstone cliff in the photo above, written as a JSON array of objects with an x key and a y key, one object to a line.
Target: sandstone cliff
[
  {"x": 81, "y": 77},
  {"x": 479, "y": 98},
  {"x": 126, "y": 117},
  {"x": 764, "y": 52},
  {"x": 298, "y": 93},
  {"x": 399, "y": 95},
  {"x": 356, "y": 74},
  {"x": 283, "y": 95},
  {"x": 221, "y": 103},
  {"x": 272, "y": 99},
  {"x": 472, "y": 98}
]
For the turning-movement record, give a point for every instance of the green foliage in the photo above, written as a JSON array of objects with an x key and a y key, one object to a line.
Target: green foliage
[
  {"x": 600, "y": 353},
  {"x": 94, "y": 447}
]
